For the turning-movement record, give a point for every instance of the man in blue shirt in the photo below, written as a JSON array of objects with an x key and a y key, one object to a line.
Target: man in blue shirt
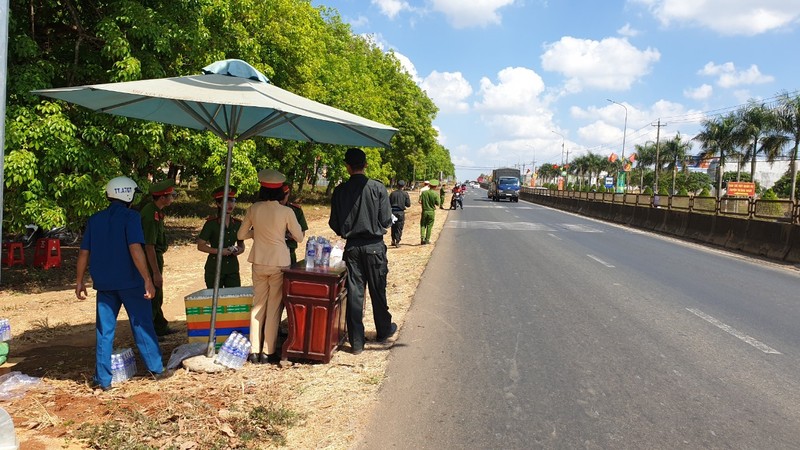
[{"x": 112, "y": 250}]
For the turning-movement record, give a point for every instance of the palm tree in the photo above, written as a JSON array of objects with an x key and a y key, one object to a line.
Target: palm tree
[
  {"x": 594, "y": 163},
  {"x": 676, "y": 150},
  {"x": 580, "y": 167},
  {"x": 716, "y": 138},
  {"x": 754, "y": 127},
  {"x": 788, "y": 127},
  {"x": 646, "y": 155}
]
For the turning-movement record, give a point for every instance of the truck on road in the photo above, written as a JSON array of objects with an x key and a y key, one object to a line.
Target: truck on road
[{"x": 505, "y": 184}]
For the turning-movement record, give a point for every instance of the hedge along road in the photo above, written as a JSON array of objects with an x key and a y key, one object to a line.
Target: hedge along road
[{"x": 536, "y": 328}]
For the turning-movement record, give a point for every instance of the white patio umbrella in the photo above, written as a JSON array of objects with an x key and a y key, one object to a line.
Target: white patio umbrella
[{"x": 236, "y": 102}]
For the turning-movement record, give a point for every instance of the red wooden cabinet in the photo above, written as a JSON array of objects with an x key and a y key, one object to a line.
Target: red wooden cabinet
[{"x": 315, "y": 302}]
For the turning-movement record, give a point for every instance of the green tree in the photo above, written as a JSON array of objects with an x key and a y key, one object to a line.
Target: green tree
[{"x": 716, "y": 139}]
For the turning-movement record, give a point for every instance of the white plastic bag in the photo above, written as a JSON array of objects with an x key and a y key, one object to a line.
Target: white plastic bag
[
  {"x": 337, "y": 253},
  {"x": 14, "y": 384}
]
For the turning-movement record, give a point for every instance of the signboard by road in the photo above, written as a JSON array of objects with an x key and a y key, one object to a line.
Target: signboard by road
[
  {"x": 609, "y": 182},
  {"x": 741, "y": 189}
]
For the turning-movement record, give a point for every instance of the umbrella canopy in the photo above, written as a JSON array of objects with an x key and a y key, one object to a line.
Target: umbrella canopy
[
  {"x": 236, "y": 102},
  {"x": 232, "y": 107}
]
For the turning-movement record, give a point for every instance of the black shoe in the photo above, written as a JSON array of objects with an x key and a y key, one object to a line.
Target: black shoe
[
  {"x": 422, "y": 242},
  {"x": 163, "y": 375},
  {"x": 392, "y": 331},
  {"x": 394, "y": 244},
  {"x": 252, "y": 358},
  {"x": 103, "y": 388},
  {"x": 274, "y": 358},
  {"x": 167, "y": 332},
  {"x": 356, "y": 350}
]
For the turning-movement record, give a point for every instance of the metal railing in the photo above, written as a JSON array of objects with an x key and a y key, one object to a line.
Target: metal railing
[{"x": 752, "y": 208}]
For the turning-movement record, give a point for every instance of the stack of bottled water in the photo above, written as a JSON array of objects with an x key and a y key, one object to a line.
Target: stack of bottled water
[
  {"x": 318, "y": 252},
  {"x": 123, "y": 365},
  {"x": 5, "y": 330},
  {"x": 234, "y": 351}
]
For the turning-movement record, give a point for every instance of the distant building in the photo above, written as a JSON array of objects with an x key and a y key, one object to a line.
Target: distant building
[{"x": 766, "y": 174}]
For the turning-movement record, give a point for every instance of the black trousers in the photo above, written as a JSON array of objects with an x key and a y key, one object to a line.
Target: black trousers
[
  {"x": 397, "y": 227},
  {"x": 366, "y": 268}
]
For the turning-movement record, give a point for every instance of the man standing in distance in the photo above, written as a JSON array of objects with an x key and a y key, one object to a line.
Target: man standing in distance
[
  {"x": 112, "y": 250},
  {"x": 155, "y": 244},
  {"x": 361, "y": 213},
  {"x": 399, "y": 200},
  {"x": 429, "y": 201}
]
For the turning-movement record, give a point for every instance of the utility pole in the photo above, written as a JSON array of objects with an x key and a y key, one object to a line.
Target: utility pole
[{"x": 658, "y": 162}]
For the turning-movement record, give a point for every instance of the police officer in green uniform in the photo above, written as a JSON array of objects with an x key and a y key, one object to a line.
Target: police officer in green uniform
[
  {"x": 208, "y": 242},
  {"x": 429, "y": 200},
  {"x": 301, "y": 219},
  {"x": 155, "y": 244}
]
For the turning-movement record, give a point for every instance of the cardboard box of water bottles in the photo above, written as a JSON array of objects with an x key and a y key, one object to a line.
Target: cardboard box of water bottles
[{"x": 233, "y": 313}]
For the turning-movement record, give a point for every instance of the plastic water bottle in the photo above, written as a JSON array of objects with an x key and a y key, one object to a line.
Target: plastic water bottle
[
  {"x": 326, "y": 254},
  {"x": 223, "y": 356},
  {"x": 8, "y": 437},
  {"x": 318, "y": 251},
  {"x": 5, "y": 330},
  {"x": 129, "y": 363},
  {"x": 311, "y": 250}
]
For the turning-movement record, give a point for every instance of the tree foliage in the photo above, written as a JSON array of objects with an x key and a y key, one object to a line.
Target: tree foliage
[{"x": 59, "y": 156}]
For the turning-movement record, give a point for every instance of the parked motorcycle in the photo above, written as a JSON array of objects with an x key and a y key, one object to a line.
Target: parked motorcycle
[{"x": 33, "y": 233}]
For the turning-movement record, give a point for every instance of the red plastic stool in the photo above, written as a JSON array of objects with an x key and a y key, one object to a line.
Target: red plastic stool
[
  {"x": 48, "y": 253},
  {"x": 13, "y": 254}
]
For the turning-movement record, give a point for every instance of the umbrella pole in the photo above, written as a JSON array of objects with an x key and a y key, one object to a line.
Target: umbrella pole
[{"x": 212, "y": 331}]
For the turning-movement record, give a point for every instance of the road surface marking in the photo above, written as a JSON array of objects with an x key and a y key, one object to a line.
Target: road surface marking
[
  {"x": 734, "y": 332},
  {"x": 485, "y": 225},
  {"x": 580, "y": 228},
  {"x": 516, "y": 226},
  {"x": 554, "y": 236},
  {"x": 600, "y": 261}
]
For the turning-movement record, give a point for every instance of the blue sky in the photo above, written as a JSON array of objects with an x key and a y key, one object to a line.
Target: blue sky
[{"x": 511, "y": 77}]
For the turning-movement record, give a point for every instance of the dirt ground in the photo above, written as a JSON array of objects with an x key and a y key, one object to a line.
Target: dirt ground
[{"x": 307, "y": 405}]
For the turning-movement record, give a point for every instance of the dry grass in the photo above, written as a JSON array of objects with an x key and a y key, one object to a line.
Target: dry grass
[{"x": 302, "y": 406}]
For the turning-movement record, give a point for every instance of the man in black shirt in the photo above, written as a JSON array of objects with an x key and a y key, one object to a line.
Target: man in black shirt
[
  {"x": 360, "y": 213},
  {"x": 399, "y": 200}
]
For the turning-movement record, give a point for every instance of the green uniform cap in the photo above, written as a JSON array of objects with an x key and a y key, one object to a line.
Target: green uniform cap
[
  {"x": 163, "y": 187},
  {"x": 218, "y": 192}
]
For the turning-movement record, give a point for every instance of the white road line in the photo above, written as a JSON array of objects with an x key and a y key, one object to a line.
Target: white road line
[
  {"x": 732, "y": 331},
  {"x": 554, "y": 236},
  {"x": 600, "y": 261}
]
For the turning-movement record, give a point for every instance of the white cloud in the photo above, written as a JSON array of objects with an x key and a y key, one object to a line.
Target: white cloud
[
  {"x": 361, "y": 21},
  {"x": 470, "y": 13},
  {"x": 408, "y": 66},
  {"x": 604, "y": 133},
  {"x": 517, "y": 90},
  {"x": 612, "y": 63},
  {"x": 391, "y": 8},
  {"x": 728, "y": 76},
  {"x": 628, "y": 31},
  {"x": 448, "y": 90},
  {"x": 699, "y": 93},
  {"x": 727, "y": 17}
]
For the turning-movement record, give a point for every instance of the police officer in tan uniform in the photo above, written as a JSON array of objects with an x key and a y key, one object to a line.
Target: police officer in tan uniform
[{"x": 267, "y": 222}]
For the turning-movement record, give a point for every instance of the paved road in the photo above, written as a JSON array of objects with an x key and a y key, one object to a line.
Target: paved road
[{"x": 533, "y": 328}]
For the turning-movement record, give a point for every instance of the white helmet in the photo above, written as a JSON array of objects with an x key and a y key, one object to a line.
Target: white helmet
[{"x": 122, "y": 188}]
